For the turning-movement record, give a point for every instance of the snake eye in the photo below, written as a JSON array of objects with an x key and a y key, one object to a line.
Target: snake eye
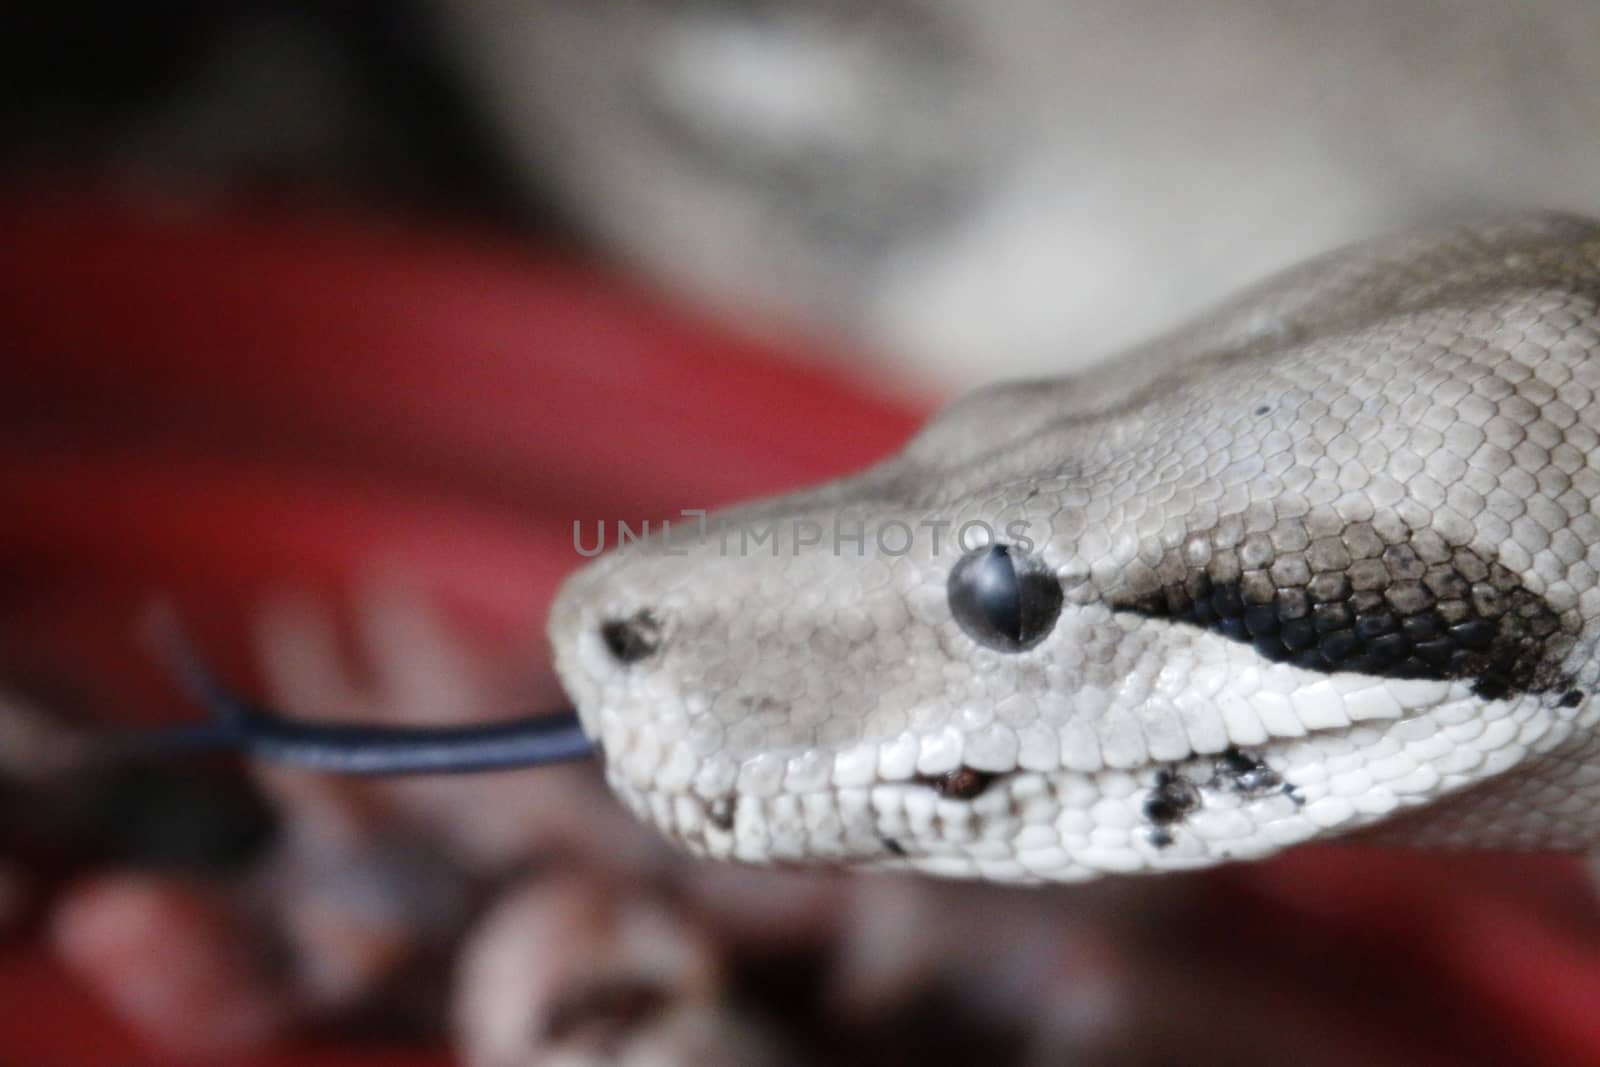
[{"x": 1003, "y": 599}]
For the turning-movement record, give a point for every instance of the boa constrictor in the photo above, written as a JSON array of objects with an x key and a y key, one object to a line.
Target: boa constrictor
[{"x": 1326, "y": 561}]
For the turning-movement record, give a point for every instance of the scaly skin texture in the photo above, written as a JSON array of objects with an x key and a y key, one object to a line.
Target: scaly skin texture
[{"x": 1328, "y": 560}]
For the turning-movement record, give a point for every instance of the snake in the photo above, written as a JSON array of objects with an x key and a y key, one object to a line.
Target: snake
[{"x": 1323, "y": 563}]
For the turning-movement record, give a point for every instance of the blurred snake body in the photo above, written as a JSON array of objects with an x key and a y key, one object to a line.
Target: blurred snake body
[{"x": 1326, "y": 562}]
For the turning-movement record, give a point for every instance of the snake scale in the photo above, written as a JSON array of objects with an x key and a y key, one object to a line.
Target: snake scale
[{"x": 1324, "y": 562}]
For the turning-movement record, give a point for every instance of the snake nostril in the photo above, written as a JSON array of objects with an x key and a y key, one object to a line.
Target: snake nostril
[{"x": 632, "y": 639}]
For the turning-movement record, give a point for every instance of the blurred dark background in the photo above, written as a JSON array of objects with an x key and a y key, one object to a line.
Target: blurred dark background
[{"x": 353, "y": 101}]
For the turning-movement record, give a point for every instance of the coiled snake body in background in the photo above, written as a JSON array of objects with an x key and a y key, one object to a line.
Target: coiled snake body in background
[{"x": 1326, "y": 561}]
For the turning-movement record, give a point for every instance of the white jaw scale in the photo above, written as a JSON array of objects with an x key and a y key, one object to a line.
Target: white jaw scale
[
  {"x": 1358, "y": 752},
  {"x": 1324, "y": 562}
]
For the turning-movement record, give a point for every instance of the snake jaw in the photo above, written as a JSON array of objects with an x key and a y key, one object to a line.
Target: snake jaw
[{"x": 1029, "y": 826}]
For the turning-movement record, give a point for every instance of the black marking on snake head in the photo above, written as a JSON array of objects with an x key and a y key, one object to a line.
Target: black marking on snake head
[
  {"x": 894, "y": 848},
  {"x": 1246, "y": 773},
  {"x": 1171, "y": 800},
  {"x": 721, "y": 812},
  {"x": 1373, "y": 597},
  {"x": 963, "y": 783}
]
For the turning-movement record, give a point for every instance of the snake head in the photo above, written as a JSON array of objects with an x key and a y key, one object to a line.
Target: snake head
[
  {"x": 1321, "y": 563},
  {"x": 847, "y": 676}
]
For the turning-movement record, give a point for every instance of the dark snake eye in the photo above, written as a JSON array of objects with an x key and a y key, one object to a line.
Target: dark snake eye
[{"x": 1004, "y": 599}]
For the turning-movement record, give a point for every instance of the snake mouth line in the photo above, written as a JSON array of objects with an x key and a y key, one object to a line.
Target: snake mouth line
[
  {"x": 1172, "y": 791},
  {"x": 1242, "y": 801}
]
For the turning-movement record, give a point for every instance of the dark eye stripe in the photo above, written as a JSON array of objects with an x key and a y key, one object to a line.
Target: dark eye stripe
[{"x": 1404, "y": 606}]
